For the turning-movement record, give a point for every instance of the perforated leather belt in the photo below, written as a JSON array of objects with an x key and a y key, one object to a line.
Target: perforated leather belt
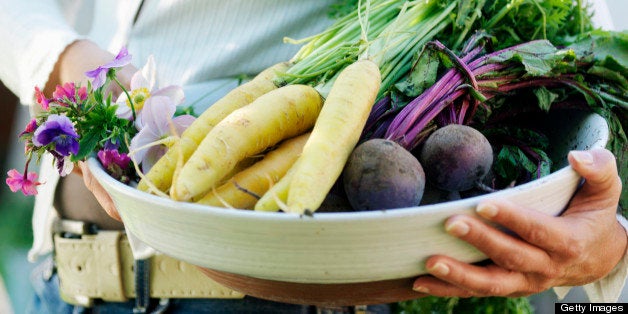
[{"x": 101, "y": 266}]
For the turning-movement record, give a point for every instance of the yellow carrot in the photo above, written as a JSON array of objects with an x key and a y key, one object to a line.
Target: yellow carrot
[
  {"x": 241, "y": 166},
  {"x": 243, "y": 189},
  {"x": 279, "y": 114},
  {"x": 162, "y": 172},
  {"x": 334, "y": 136},
  {"x": 278, "y": 193}
]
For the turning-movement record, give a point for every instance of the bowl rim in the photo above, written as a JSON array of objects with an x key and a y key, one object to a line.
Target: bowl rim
[{"x": 132, "y": 192}]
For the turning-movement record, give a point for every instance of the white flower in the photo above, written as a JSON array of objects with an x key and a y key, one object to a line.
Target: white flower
[
  {"x": 143, "y": 88},
  {"x": 157, "y": 118}
]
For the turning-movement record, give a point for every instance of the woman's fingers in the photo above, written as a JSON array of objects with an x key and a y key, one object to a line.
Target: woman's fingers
[
  {"x": 455, "y": 278},
  {"x": 99, "y": 192},
  {"x": 504, "y": 249},
  {"x": 536, "y": 228},
  {"x": 602, "y": 185}
]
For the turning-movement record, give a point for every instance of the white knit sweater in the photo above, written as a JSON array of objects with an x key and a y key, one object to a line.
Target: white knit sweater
[{"x": 201, "y": 45}]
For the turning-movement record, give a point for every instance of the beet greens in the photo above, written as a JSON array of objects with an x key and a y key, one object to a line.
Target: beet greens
[{"x": 477, "y": 84}]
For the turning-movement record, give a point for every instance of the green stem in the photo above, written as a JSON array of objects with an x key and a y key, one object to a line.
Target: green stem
[
  {"x": 115, "y": 79},
  {"x": 544, "y": 24},
  {"x": 469, "y": 24},
  {"x": 497, "y": 17}
]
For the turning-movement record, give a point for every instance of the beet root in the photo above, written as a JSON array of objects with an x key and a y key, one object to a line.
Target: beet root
[
  {"x": 456, "y": 157},
  {"x": 380, "y": 174}
]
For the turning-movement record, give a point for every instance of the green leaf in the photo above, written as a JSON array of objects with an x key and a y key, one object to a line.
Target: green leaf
[
  {"x": 423, "y": 74},
  {"x": 609, "y": 48},
  {"x": 545, "y": 97},
  {"x": 506, "y": 164},
  {"x": 538, "y": 57},
  {"x": 341, "y": 8},
  {"x": 87, "y": 144},
  {"x": 609, "y": 75},
  {"x": 545, "y": 164},
  {"x": 473, "y": 305}
]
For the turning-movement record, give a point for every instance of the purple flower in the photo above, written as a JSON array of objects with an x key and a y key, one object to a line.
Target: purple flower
[
  {"x": 111, "y": 157},
  {"x": 59, "y": 131},
  {"x": 63, "y": 163},
  {"x": 157, "y": 118},
  {"x": 22, "y": 182},
  {"x": 68, "y": 93},
  {"x": 99, "y": 74},
  {"x": 115, "y": 163}
]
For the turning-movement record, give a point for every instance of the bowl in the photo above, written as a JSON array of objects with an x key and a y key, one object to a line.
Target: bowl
[{"x": 340, "y": 258}]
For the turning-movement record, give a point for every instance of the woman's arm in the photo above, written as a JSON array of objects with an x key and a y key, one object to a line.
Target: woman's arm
[
  {"x": 80, "y": 57},
  {"x": 37, "y": 33}
]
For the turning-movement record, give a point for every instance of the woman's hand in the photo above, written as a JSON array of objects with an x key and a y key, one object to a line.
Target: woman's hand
[
  {"x": 99, "y": 192},
  {"x": 82, "y": 56},
  {"x": 78, "y": 58},
  {"x": 581, "y": 246}
]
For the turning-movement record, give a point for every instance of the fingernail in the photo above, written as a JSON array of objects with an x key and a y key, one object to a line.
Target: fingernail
[
  {"x": 486, "y": 210},
  {"x": 439, "y": 269},
  {"x": 421, "y": 289},
  {"x": 582, "y": 157},
  {"x": 457, "y": 228}
]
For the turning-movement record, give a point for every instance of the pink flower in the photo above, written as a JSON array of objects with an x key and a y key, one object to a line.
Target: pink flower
[
  {"x": 111, "y": 157},
  {"x": 30, "y": 127},
  {"x": 116, "y": 164},
  {"x": 41, "y": 99},
  {"x": 69, "y": 93},
  {"x": 26, "y": 183}
]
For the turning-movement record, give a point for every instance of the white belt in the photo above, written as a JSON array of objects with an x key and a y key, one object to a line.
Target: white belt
[{"x": 101, "y": 267}]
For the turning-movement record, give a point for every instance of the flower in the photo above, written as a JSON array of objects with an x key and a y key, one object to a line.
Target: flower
[
  {"x": 143, "y": 89},
  {"x": 30, "y": 127},
  {"x": 157, "y": 118},
  {"x": 63, "y": 163},
  {"x": 24, "y": 182},
  {"x": 77, "y": 122},
  {"x": 68, "y": 93},
  {"x": 116, "y": 163},
  {"x": 111, "y": 156},
  {"x": 57, "y": 130},
  {"x": 99, "y": 74},
  {"x": 41, "y": 99}
]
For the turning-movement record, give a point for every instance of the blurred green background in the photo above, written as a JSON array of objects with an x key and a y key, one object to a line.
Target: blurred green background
[{"x": 15, "y": 208}]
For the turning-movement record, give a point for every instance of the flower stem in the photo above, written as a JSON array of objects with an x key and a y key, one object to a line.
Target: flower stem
[
  {"x": 126, "y": 92},
  {"x": 28, "y": 161}
]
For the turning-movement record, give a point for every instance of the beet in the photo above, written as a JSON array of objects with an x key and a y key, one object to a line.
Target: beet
[
  {"x": 456, "y": 157},
  {"x": 380, "y": 174}
]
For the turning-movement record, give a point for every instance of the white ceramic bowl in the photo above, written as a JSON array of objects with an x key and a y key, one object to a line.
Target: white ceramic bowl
[{"x": 335, "y": 248}]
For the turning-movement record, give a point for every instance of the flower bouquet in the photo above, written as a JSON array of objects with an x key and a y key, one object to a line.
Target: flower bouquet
[{"x": 83, "y": 121}]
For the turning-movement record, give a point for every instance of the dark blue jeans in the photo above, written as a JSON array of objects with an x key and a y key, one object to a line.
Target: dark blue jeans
[{"x": 47, "y": 300}]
